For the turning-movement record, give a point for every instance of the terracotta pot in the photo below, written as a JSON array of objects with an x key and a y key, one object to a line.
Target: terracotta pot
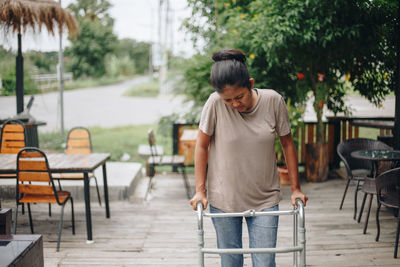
[
  {"x": 317, "y": 162},
  {"x": 283, "y": 175}
]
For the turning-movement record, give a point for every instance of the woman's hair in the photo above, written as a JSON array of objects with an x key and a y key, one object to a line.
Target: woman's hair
[{"x": 229, "y": 69}]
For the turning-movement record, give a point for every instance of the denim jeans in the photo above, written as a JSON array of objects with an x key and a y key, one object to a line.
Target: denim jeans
[{"x": 262, "y": 234}]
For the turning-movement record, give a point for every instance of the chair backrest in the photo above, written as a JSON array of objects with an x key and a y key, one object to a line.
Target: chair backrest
[
  {"x": 33, "y": 174},
  {"x": 388, "y": 186},
  {"x": 345, "y": 148},
  {"x": 78, "y": 141},
  {"x": 13, "y": 137},
  {"x": 152, "y": 143}
]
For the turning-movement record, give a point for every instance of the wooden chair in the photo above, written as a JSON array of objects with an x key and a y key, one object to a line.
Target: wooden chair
[
  {"x": 155, "y": 160},
  {"x": 33, "y": 168},
  {"x": 388, "y": 194},
  {"x": 13, "y": 139},
  {"x": 78, "y": 142}
]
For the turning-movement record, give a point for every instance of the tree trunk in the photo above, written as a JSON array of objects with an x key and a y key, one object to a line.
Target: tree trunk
[{"x": 317, "y": 162}]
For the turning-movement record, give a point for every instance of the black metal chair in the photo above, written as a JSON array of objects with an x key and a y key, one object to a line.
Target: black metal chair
[
  {"x": 356, "y": 169},
  {"x": 388, "y": 194},
  {"x": 155, "y": 160}
]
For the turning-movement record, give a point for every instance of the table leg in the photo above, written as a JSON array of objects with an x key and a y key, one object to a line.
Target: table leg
[
  {"x": 87, "y": 208},
  {"x": 106, "y": 191}
]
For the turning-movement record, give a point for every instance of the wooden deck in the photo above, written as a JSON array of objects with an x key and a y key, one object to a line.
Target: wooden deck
[{"x": 162, "y": 232}]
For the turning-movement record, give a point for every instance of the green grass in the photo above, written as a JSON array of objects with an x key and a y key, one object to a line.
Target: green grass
[
  {"x": 370, "y": 133},
  {"x": 117, "y": 141},
  {"x": 148, "y": 89}
]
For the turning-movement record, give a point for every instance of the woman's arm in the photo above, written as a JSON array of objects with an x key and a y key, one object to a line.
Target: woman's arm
[
  {"x": 291, "y": 161},
  {"x": 200, "y": 169}
]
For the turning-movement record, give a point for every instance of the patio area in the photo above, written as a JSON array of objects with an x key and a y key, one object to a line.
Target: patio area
[{"x": 162, "y": 232}]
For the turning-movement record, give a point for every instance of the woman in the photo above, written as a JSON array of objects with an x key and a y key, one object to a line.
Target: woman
[{"x": 236, "y": 139}]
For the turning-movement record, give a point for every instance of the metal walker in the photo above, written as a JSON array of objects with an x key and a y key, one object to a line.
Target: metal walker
[{"x": 299, "y": 234}]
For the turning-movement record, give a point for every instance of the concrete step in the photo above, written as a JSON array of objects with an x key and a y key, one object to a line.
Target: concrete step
[{"x": 122, "y": 179}]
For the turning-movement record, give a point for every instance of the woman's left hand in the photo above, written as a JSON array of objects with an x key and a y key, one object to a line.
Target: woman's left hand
[{"x": 298, "y": 194}]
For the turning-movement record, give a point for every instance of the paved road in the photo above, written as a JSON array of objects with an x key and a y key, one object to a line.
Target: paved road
[
  {"x": 107, "y": 107},
  {"x": 102, "y": 106}
]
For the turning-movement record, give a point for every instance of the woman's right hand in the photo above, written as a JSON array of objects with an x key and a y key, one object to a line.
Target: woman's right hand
[{"x": 199, "y": 197}]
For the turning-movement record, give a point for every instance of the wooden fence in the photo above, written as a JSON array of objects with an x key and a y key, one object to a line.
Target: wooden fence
[{"x": 336, "y": 129}]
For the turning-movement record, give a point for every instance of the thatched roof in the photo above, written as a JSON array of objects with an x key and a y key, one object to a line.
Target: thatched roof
[{"x": 18, "y": 15}]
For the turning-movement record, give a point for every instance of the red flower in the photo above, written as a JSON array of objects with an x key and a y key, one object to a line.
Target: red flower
[
  {"x": 321, "y": 77},
  {"x": 300, "y": 76},
  {"x": 321, "y": 104}
]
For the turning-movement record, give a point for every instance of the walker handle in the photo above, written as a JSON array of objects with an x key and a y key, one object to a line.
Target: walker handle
[{"x": 199, "y": 215}]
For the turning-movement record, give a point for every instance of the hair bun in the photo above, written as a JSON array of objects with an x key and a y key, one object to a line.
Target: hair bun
[{"x": 229, "y": 54}]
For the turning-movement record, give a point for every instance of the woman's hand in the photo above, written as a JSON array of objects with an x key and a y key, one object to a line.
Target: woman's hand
[
  {"x": 199, "y": 197},
  {"x": 298, "y": 194}
]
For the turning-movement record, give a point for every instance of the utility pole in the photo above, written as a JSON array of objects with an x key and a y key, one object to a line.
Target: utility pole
[
  {"x": 151, "y": 45},
  {"x": 61, "y": 80},
  {"x": 164, "y": 51}
]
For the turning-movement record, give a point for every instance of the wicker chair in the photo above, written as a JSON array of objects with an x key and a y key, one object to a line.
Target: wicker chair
[
  {"x": 388, "y": 194},
  {"x": 369, "y": 186},
  {"x": 356, "y": 169}
]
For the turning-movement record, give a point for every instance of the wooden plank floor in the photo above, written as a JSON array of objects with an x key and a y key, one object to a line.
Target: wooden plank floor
[{"x": 162, "y": 232}]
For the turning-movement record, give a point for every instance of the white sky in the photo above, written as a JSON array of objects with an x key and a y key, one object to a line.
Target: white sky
[{"x": 136, "y": 19}]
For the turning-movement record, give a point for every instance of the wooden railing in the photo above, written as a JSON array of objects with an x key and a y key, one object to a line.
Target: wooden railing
[
  {"x": 49, "y": 81},
  {"x": 336, "y": 129}
]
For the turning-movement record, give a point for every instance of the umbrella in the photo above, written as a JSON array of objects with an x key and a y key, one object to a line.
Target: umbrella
[{"x": 18, "y": 15}]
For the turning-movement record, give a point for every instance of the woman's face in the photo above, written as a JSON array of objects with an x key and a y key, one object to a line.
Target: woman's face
[{"x": 239, "y": 98}]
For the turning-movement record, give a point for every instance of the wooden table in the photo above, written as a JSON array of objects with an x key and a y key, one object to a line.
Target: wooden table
[{"x": 77, "y": 163}]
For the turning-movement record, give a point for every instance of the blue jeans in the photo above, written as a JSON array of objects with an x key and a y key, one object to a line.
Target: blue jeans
[{"x": 262, "y": 234}]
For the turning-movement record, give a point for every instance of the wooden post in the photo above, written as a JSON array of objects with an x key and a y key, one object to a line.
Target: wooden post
[
  {"x": 310, "y": 132},
  {"x": 331, "y": 139},
  {"x": 350, "y": 130},
  {"x": 356, "y": 131},
  {"x": 336, "y": 124},
  {"x": 303, "y": 144},
  {"x": 344, "y": 124}
]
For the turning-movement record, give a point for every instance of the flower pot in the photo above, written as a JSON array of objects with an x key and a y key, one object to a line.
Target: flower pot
[
  {"x": 317, "y": 162},
  {"x": 283, "y": 175}
]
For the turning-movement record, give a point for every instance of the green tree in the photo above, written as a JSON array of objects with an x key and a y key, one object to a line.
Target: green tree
[
  {"x": 95, "y": 40},
  {"x": 44, "y": 62},
  {"x": 300, "y": 46},
  {"x": 138, "y": 52}
]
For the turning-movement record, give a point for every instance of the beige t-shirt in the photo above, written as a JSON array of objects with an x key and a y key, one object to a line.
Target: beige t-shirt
[{"x": 242, "y": 172}]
